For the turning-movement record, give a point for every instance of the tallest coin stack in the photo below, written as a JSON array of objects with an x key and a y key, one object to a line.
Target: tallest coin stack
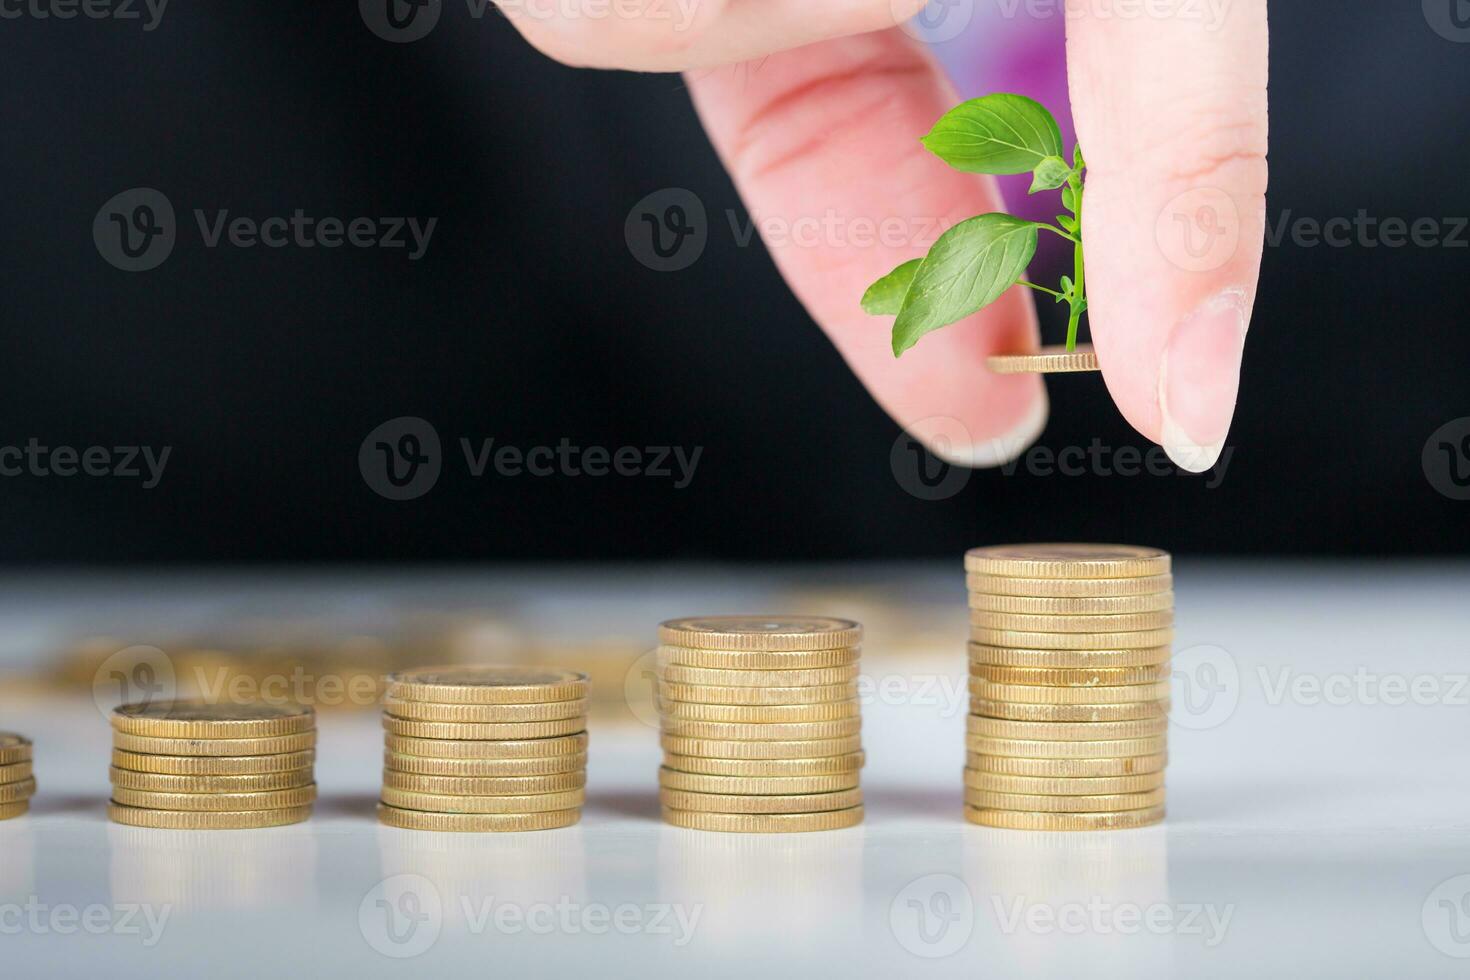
[{"x": 1069, "y": 686}]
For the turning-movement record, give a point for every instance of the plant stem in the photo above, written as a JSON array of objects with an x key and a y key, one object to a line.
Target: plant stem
[
  {"x": 1058, "y": 231},
  {"x": 1040, "y": 289},
  {"x": 1079, "y": 291}
]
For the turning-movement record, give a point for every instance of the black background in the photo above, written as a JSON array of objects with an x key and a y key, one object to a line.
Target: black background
[{"x": 529, "y": 321}]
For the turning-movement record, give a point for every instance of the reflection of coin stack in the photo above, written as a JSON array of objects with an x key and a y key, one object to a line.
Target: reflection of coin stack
[
  {"x": 491, "y": 748},
  {"x": 187, "y": 765},
  {"x": 1069, "y": 686},
  {"x": 760, "y": 723},
  {"x": 17, "y": 785}
]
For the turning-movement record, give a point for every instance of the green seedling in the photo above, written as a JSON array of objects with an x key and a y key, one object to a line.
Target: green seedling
[{"x": 976, "y": 261}]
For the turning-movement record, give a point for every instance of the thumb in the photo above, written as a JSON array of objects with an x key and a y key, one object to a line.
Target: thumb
[{"x": 1171, "y": 115}]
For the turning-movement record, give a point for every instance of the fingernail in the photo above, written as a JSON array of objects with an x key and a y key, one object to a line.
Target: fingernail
[
  {"x": 1199, "y": 379},
  {"x": 1003, "y": 448}
]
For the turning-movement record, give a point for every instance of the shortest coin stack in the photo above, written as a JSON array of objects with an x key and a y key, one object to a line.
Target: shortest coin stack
[
  {"x": 761, "y": 723},
  {"x": 193, "y": 765},
  {"x": 17, "y": 785},
  {"x": 484, "y": 749},
  {"x": 1069, "y": 686}
]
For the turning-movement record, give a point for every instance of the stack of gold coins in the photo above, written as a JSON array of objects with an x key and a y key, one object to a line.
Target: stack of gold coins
[
  {"x": 17, "y": 785},
  {"x": 1069, "y": 686},
  {"x": 484, "y": 748},
  {"x": 760, "y": 723},
  {"x": 194, "y": 765}
]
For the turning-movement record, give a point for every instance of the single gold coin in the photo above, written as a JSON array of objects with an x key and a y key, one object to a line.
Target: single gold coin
[
  {"x": 756, "y": 785},
  {"x": 995, "y": 782},
  {"x": 523, "y": 748},
  {"x": 1021, "y": 820},
  {"x": 184, "y": 765},
  {"x": 15, "y": 772},
  {"x": 715, "y": 694},
  {"x": 760, "y": 633},
  {"x": 149, "y": 745},
  {"x": 1088, "y": 677},
  {"x": 484, "y": 785},
  {"x": 1047, "y": 360},
  {"x": 9, "y": 811},
  {"x": 1080, "y": 731},
  {"x": 21, "y": 789},
  {"x": 758, "y": 714},
  {"x": 204, "y": 719},
  {"x": 737, "y": 803},
  {"x": 1031, "y": 640},
  {"x": 470, "y": 731},
  {"x": 813, "y": 748},
  {"x": 1022, "y": 711},
  {"x": 666, "y": 657},
  {"x": 14, "y": 748},
  {"x": 281, "y": 799},
  {"x": 1027, "y": 605},
  {"x": 1010, "y": 656},
  {"x": 1065, "y": 768},
  {"x": 264, "y": 782},
  {"x": 488, "y": 684},
  {"x": 476, "y": 823},
  {"x": 1047, "y": 749},
  {"x": 763, "y": 823},
  {"x": 1111, "y": 803},
  {"x": 1069, "y": 587},
  {"x": 1091, "y": 625},
  {"x": 1041, "y": 694},
  {"x": 771, "y": 731},
  {"x": 486, "y": 713},
  {"x": 832, "y": 765},
  {"x": 813, "y": 677},
  {"x": 484, "y": 768},
  {"x": 203, "y": 820},
  {"x": 522, "y": 803},
  {"x": 1068, "y": 561}
]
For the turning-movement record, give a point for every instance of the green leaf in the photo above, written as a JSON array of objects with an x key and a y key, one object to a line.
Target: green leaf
[
  {"x": 997, "y": 134},
  {"x": 1069, "y": 200},
  {"x": 1052, "y": 173},
  {"x": 1078, "y": 164},
  {"x": 969, "y": 268},
  {"x": 1067, "y": 223},
  {"x": 885, "y": 297}
]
